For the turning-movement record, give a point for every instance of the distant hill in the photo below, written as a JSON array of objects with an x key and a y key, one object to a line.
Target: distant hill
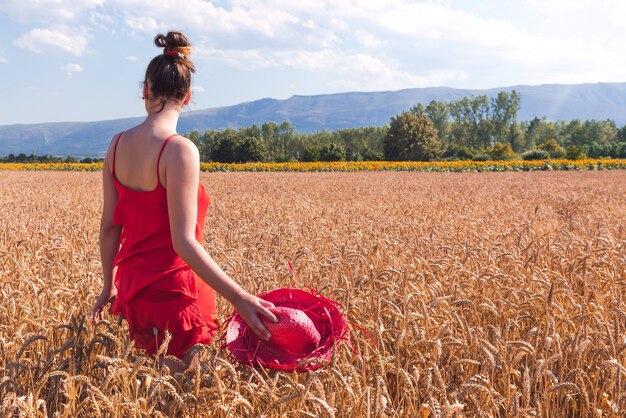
[{"x": 313, "y": 113}]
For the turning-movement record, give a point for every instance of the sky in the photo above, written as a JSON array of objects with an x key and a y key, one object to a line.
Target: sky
[{"x": 84, "y": 60}]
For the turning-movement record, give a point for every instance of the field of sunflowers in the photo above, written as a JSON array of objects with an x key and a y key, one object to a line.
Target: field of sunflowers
[{"x": 347, "y": 166}]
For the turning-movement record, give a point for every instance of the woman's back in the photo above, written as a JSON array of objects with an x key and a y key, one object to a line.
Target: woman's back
[
  {"x": 137, "y": 159},
  {"x": 142, "y": 209}
]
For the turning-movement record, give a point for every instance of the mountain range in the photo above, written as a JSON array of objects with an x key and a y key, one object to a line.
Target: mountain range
[{"x": 314, "y": 113}]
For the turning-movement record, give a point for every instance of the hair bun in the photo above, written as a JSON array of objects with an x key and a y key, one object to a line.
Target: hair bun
[
  {"x": 174, "y": 41},
  {"x": 168, "y": 75}
]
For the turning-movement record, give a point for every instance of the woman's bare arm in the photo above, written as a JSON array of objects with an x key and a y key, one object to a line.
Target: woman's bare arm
[
  {"x": 182, "y": 171},
  {"x": 109, "y": 241}
]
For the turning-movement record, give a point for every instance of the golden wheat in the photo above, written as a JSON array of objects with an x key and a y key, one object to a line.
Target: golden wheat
[{"x": 478, "y": 294}]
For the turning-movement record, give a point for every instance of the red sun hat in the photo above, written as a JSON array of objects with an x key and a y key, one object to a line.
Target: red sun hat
[{"x": 309, "y": 325}]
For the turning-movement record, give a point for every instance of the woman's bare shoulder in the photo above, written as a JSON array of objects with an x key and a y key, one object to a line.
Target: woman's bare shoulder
[
  {"x": 110, "y": 149},
  {"x": 181, "y": 148}
]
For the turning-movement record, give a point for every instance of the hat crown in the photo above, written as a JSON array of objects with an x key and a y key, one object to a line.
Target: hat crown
[{"x": 294, "y": 332}]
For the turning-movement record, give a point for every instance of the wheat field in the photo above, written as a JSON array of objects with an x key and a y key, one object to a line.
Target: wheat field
[{"x": 473, "y": 294}]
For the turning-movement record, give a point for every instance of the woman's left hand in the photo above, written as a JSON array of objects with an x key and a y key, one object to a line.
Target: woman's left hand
[{"x": 104, "y": 298}]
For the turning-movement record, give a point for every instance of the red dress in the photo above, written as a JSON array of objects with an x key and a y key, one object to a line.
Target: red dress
[{"x": 156, "y": 289}]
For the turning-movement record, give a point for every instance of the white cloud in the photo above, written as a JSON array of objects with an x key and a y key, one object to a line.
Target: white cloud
[
  {"x": 352, "y": 71},
  {"x": 142, "y": 23},
  {"x": 102, "y": 21},
  {"x": 132, "y": 58},
  {"x": 205, "y": 17},
  {"x": 367, "y": 73},
  {"x": 560, "y": 6},
  {"x": 368, "y": 40},
  {"x": 48, "y": 11},
  {"x": 60, "y": 38},
  {"x": 3, "y": 60},
  {"x": 476, "y": 44},
  {"x": 72, "y": 69},
  {"x": 430, "y": 22},
  {"x": 198, "y": 89}
]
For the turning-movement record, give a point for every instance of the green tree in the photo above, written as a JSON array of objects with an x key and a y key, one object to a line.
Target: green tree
[
  {"x": 515, "y": 137},
  {"x": 411, "y": 138},
  {"x": 418, "y": 109},
  {"x": 504, "y": 108},
  {"x": 538, "y": 131},
  {"x": 573, "y": 133},
  {"x": 269, "y": 133},
  {"x": 601, "y": 132},
  {"x": 368, "y": 154},
  {"x": 249, "y": 149},
  {"x": 439, "y": 114},
  {"x": 284, "y": 137},
  {"x": 209, "y": 141},
  {"x": 332, "y": 152},
  {"x": 224, "y": 146},
  {"x": 310, "y": 154},
  {"x": 621, "y": 135},
  {"x": 251, "y": 131},
  {"x": 531, "y": 133},
  {"x": 268, "y": 130},
  {"x": 472, "y": 127}
]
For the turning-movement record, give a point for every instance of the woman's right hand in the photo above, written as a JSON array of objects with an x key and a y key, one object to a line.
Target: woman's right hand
[
  {"x": 249, "y": 308},
  {"x": 104, "y": 298}
]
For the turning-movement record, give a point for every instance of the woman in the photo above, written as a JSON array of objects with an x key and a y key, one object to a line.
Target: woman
[{"x": 157, "y": 274}]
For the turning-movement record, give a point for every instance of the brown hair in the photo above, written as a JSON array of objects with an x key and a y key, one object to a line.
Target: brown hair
[{"x": 169, "y": 74}]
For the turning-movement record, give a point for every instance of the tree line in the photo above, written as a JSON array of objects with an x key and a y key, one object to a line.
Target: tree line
[
  {"x": 46, "y": 158},
  {"x": 274, "y": 142},
  {"x": 475, "y": 127},
  {"x": 471, "y": 128},
  {"x": 479, "y": 128}
]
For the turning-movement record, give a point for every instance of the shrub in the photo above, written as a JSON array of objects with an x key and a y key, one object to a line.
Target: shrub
[
  {"x": 553, "y": 148},
  {"x": 456, "y": 152},
  {"x": 481, "y": 157},
  {"x": 536, "y": 154},
  {"x": 501, "y": 151},
  {"x": 575, "y": 152}
]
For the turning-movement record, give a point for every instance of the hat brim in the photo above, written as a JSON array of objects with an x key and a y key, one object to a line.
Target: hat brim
[{"x": 246, "y": 348}]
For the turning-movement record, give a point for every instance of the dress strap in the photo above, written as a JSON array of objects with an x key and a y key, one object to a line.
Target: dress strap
[
  {"x": 159, "y": 157},
  {"x": 117, "y": 140}
]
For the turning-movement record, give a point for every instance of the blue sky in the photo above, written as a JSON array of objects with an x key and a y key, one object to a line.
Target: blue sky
[{"x": 82, "y": 60}]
